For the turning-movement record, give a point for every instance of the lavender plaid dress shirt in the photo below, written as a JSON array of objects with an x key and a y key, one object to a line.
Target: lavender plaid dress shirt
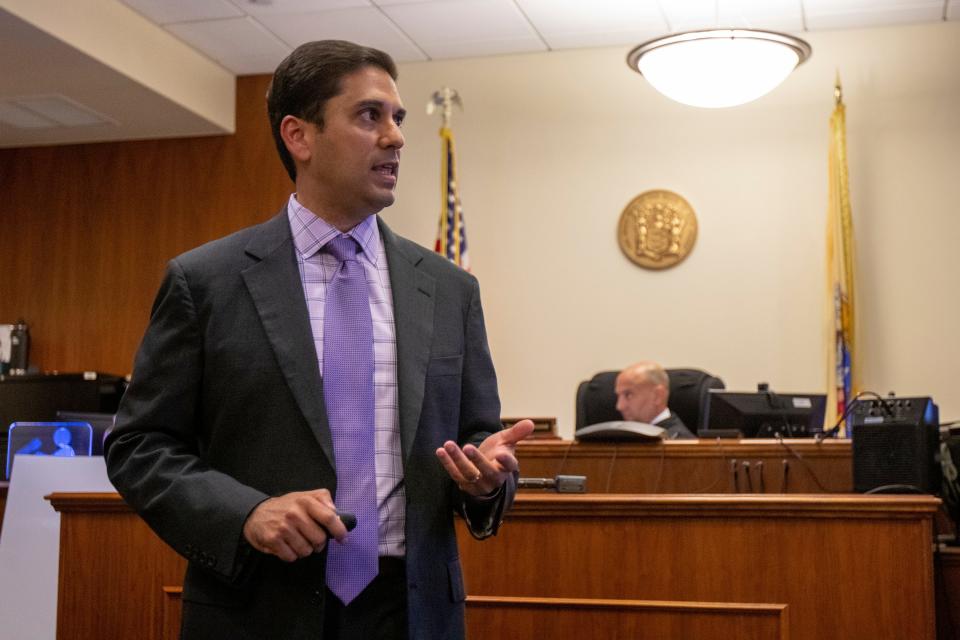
[{"x": 310, "y": 234}]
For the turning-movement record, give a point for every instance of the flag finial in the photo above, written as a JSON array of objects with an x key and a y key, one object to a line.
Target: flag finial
[
  {"x": 444, "y": 99},
  {"x": 837, "y": 90}
]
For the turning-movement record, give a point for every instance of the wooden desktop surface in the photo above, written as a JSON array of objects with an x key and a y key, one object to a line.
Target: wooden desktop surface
[{"x": 748, "y": 566}]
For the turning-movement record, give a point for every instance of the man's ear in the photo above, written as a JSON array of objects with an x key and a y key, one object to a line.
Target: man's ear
[
  {"x": 662, "y": 394},
  {"x": 297, "y": 136}
]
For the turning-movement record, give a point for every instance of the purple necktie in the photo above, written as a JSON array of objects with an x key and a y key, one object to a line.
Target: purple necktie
[{"x": 348, "y": 393}]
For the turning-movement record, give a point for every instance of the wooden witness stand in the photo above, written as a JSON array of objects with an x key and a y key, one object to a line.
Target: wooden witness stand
[{"x": 704, "y": 567}]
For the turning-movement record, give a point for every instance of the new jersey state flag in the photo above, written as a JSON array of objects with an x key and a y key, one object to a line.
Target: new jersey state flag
[{"x": 842, "y": 374}]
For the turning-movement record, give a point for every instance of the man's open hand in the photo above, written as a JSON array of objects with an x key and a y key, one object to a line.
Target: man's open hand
[{"x": 480, "y": 471}]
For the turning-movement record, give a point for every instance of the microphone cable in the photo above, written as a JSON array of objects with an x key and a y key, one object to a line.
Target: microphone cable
[
  {"x": 835, "y": 429},
  {"x": 746, "y": 474},
  {"x": 663, "y": 456},
  {"x": 613, "y": 462},
  {"x": 718, "y": 479},
  {"x": 803, "y": 463},
  {"x": 563, "y": 461}
]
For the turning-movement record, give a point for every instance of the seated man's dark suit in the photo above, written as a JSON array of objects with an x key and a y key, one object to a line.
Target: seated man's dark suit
[
  {"x": 676, "y": 430},
  {"x": 225, "y": 409}
]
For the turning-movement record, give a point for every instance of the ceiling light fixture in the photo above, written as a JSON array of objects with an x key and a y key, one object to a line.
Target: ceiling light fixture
[{"x": 718, "y": 67}]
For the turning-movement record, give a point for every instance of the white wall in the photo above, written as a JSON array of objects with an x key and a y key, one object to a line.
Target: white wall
[{"x": 551, "y": 148}]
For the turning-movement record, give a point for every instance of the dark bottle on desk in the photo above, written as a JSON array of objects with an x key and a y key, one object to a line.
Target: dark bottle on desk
[{"x": 19, "y": 348}]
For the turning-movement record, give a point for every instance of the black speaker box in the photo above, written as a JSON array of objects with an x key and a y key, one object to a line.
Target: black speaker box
[{"x": 895, "y": 446}]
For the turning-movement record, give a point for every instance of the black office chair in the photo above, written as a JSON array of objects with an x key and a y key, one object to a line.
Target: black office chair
[{"x": 689, "y": 395}]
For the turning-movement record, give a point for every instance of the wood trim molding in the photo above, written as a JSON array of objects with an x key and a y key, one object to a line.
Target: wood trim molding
[
  {"x": 98, "y": 502},
  {"x": 724, "y": 505},
  {"x": 525, "y": 617},
  {"x": 777, "y": 609},
  {"x": 749, "y": 448},
  {"x": 594, "y": 505},
  {"x": 171, "y": 611}
]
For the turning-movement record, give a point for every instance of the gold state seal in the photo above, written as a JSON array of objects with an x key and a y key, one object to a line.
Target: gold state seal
[{"x": 657, "y": 229}]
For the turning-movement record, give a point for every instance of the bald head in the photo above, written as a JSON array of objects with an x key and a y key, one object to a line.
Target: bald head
[{"x": 642, "y": 391}]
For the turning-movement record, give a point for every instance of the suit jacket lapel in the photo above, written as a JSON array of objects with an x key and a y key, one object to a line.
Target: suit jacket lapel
[
  {"x": 413, "y": 305},
  {"x": 274, "y": 284}
]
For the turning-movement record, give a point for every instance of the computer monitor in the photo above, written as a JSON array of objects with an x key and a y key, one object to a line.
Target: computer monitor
[
  {"x": 57, "y": 439},
  {"x": 765, "y": 414},
  {"x": 38, "y": 398}
]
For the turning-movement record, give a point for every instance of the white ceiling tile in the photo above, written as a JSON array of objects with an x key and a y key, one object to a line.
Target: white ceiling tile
[
  {"x": 240, "y": 44},
  {"x": 852, "y": 14},
  {"x": 480, "y": 48},
  {"x": 601, "y": 39},
  {"x": 690, "y": 14},
  {"x": 167, "y": 11},
  {"x": 777, "y": 15},
  {"x": 439, "y": 21},
  {"x": 271, "y": 7},
  {"x": 364, "y": 25},
  {"x": 566, "y": 19},
  {"x": 456, "y": 28}
]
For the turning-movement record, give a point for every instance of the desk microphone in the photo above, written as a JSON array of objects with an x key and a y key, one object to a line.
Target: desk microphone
[{"x": 560, "y": 484}]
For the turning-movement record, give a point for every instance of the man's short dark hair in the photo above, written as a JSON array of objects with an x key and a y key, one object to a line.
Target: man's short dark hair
[{"x": 310, "y": 76}]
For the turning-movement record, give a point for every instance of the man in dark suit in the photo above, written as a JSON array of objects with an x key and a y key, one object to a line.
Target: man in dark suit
[
  {"x": 642, "y": 392},
  {"x": 265, "y": 397}
]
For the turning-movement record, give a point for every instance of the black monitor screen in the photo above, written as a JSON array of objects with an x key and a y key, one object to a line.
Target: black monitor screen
[{"x": 765, "y": 414}]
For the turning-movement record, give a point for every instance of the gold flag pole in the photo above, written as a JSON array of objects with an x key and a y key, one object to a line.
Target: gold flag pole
[
  {"x": 842, "y": 356},
  {"x": 444, "y": 99}
]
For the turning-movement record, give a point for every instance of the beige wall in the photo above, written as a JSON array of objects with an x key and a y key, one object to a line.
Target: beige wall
[{"x": 552, "y": 147}]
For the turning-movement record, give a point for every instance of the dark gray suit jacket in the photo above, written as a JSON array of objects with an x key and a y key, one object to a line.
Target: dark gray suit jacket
[
  {"x": 225, "y": 409},
  {"x": 676, "y": 429}
]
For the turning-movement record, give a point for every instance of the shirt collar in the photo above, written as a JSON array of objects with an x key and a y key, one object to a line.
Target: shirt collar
[
  {"x": 311, "y": 232},
  {"x": 663, "y": 415}
]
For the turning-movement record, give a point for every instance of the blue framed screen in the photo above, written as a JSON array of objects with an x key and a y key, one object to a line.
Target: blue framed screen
[{"x": 57, "y": 439}]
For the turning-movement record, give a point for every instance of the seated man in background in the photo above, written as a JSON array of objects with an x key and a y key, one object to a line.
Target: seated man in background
[{"x": 642, "y": 392}]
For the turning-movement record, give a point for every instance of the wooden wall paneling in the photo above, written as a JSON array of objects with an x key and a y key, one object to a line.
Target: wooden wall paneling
[
  {"x": 695, "y": 466},
  {"x": 88, "y": 229},
  {"x": 170, "y": 613},
  {"x": 569, "y": 619},
  {"x": 948, "y": 592},
  {"x": 113, "y": 571},
  {"x": 544, "y": 428},
  {"x": 856, "y": 567}
]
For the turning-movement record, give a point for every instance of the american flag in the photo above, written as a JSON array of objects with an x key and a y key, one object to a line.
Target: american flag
[{"x": 451, "y": 232}]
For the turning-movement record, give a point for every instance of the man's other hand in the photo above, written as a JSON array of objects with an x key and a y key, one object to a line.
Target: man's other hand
[{"x": 479, "y": 471}]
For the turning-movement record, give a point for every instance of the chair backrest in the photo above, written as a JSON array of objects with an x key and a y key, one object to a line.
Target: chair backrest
[{"x": 689, "y": 395}]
